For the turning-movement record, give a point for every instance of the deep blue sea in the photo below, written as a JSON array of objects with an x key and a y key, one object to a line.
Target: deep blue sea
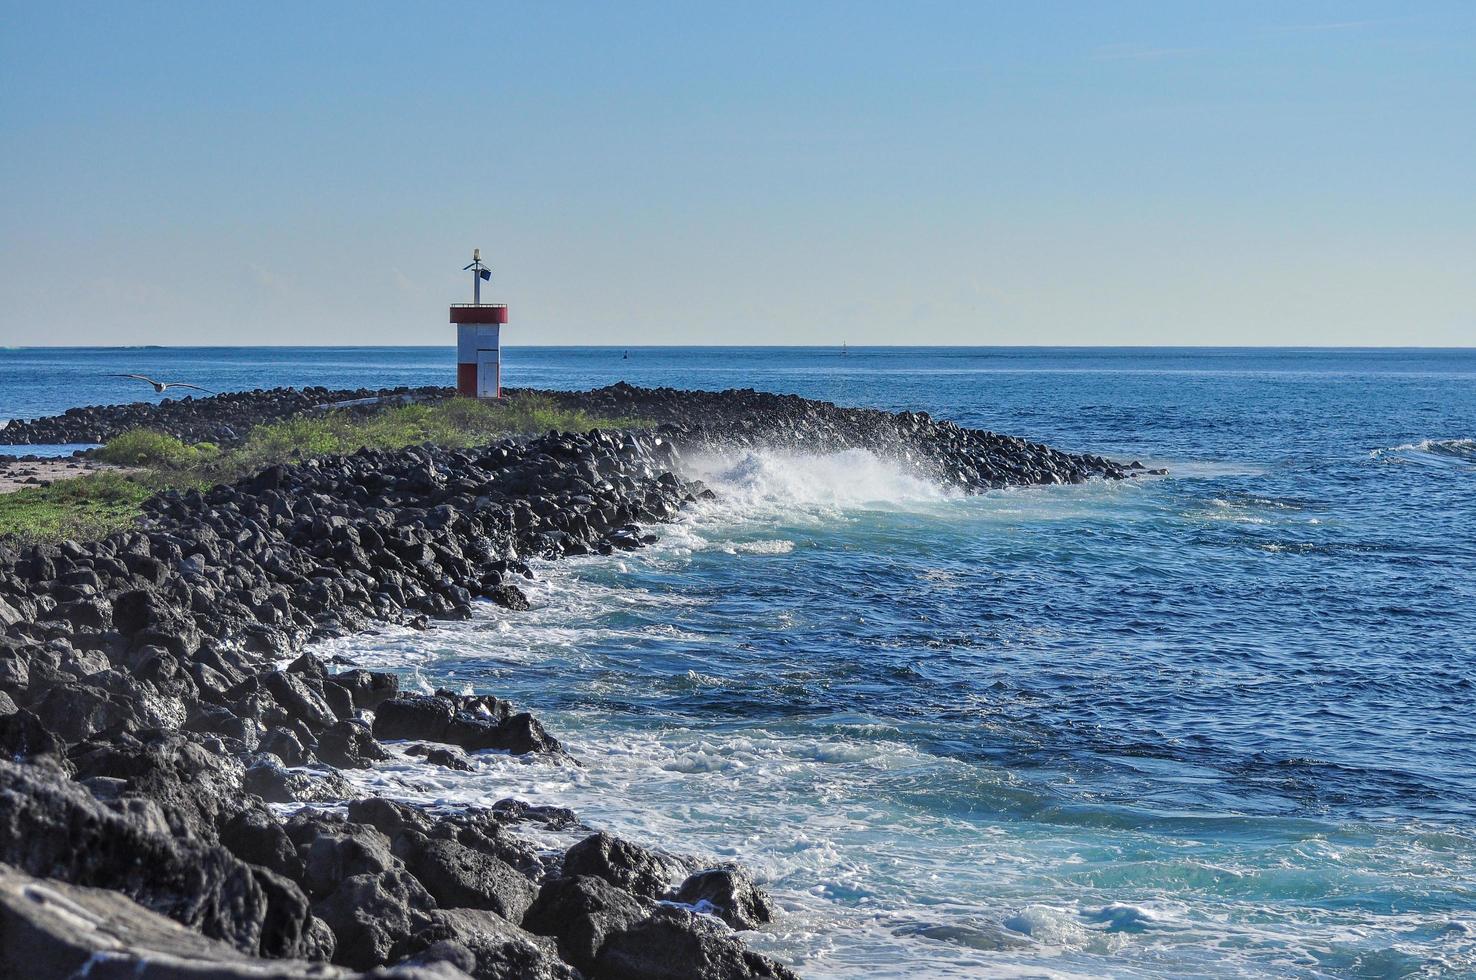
[{"x": 1217, "y": 724}]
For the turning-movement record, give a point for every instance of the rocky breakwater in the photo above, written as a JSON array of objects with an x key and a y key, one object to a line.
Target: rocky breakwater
[
  {"x": 223, "y": 419},
  {"x": 170, "y": 796},
  {"x": 971, "y": 460}
]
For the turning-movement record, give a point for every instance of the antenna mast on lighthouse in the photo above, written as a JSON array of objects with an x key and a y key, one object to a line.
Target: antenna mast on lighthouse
[{"x": 479, "y": 273}]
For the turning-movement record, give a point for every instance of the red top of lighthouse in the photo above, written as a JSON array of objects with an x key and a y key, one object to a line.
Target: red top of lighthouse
[{"x": 479, "y": 313}]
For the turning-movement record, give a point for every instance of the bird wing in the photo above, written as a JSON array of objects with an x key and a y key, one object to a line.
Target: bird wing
[
  {"x": 140, "y": 377},
  {"x": 179, "y": 384}
]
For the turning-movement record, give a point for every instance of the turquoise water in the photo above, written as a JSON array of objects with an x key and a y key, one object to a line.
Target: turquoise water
[{"x": 1215, "y": 724}]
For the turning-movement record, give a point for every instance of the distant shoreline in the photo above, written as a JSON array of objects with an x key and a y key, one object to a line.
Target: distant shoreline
[{"x": 1137, "y": 348}]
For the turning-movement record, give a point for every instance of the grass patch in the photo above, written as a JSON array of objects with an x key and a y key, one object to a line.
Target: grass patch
[
  {"x": 82, "y": 508},
  {"x": 97, "y": 504},
  {"x": 457, "y": 423}
]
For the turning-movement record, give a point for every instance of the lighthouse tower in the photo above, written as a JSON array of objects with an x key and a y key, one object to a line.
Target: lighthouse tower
[{"x": 478, "y": 338}]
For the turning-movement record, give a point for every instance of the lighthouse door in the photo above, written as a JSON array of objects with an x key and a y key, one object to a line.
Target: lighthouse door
[{"x": 489, "y": 369}]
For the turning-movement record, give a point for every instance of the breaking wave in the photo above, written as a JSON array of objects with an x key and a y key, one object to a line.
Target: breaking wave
[
  {"x": 1457, "y": 453},
  {"x": 848, "y": 679},
  {"x": 762, "y": 480}
]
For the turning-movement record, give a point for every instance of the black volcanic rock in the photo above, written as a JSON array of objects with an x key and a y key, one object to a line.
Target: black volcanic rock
[
  {"x": 52, "y": 827},
  {"x": 367, "y": 689},
  {"x": 331, "y": 853},
  {"x": 627, "y": 866},
  {"x": 509, "y": 596},
  {"x": 730, "y": 893},
  {"x": 461, "y": 721},
  {"x": 275, "y": 783},
  {"x": 498, "y": 950},
  {"x": 443, "y": 757},
  {"x": 349, "y": 745},
  {"x": 389, "y": 817},
  {"x": 582, "y": 913},
  {"x": 154, "y": 738},
  {"x": 461, "y": 877},
  {"x": 675, "y": 944},
  {"x": 372, "y": 914},
  {"x": 224, "y": 419},
  {"x": 414, "y": 716},
  {"x": 52, "y": 929},
  {"x": 256, "y": 836},
  {"x": 24, "y": 739}
]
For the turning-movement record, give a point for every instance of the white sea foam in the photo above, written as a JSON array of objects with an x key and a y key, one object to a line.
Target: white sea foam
[
  {"x": 776, "y": 547},
  {"x": 842, "y": 824},
  {"x": 759, "y": 480},
  {"x": 1448, "y": 454},
  {"x": 1052, "y": 926},
  {"x": 868, "y": 885},
  {"x": 869, "y": 882},
  {"x": 1444, "y": 447}
]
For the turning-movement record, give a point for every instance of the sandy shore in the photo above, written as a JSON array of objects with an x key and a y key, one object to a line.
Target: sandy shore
[{"x": 17, "y": 474}]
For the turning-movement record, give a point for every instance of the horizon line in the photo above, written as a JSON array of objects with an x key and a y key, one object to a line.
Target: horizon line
[{"x": 452, "y": 346}]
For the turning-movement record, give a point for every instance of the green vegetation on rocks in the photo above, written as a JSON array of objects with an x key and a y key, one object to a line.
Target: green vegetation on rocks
[
  {"x": 84, "y": 508},
  {"x": 97, "y": 504},
  {"x": 144, "y": 447},
  {"x": 457, "y": 424}
]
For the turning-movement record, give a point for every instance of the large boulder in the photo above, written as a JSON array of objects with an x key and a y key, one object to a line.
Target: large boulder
[
  {"x": 388, "y": 816},
  {"x": 627, "y": 866},
  {"x": 582, "y": 913},
  {"x": 468, "y": 723},
  {"x": 78, "y": 711},
  {"x": 9, "y": 615},
  {"x": 460, "y": 877},
  {"x": 348, "y": 745},
  {"x": 52, "y": 929},
  {"x": 301, "y": 696},
  {"x": 676, "y": 944},
  {"x": 368, "y": 689},
  {"x": 729, "y": 893},
  {"x": 148, "y": 618},
  {"x": 277, "y": 784},
  {"x": 255, "y": 836},
  {"x": 498, "y": 949},
  {"x": 372, "y": 914},
  {"x": 343, "y": 851},
  {"x": 413, "y": 716},
  {"x": 196, "y": 789},
  {"x": 54, "y": 828},
  {"x": 23, "y": 738},
  {"x": 446, "y": 758}
]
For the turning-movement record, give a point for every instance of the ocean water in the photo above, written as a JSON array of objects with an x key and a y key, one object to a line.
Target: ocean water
[{"x": 1218, "y": 724}]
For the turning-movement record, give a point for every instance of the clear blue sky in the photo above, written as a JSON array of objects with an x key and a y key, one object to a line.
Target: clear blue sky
[{"x": 969, "y": 173}]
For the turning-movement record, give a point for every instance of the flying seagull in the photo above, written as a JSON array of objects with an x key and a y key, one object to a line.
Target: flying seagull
[{"x": 159, "y": 386}]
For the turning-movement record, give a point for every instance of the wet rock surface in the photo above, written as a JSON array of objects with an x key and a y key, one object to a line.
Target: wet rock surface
[
  {"x": 730, "y": 894},
  {"x": 166, "y": 740}
]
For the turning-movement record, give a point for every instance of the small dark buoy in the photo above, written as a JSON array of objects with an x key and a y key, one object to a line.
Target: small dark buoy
[{"x": 626, "y": 356}]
